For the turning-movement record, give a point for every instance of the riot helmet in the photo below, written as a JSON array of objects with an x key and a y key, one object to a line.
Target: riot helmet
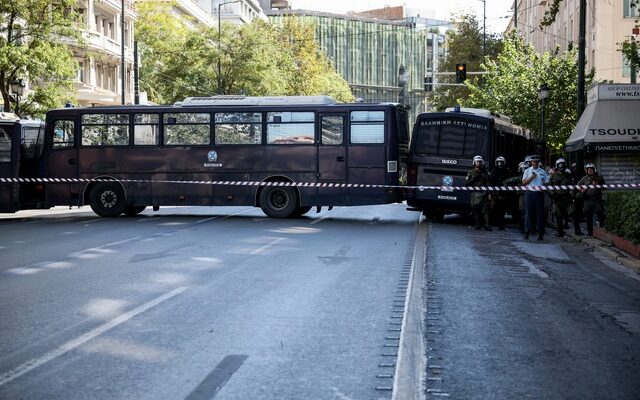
[
  {"x": 590, "y": 165},
  {"x": 500, "y": 162},
  {"x": 522, "y": 166},
  {"x": 477, "y": 160}
]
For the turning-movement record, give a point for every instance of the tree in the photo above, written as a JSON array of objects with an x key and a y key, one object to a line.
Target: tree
[
  {"x": 255, "y": 59},
  {"x": 309, "y": 70},
  {"x": 161, "y": 44},
  {"x": 550, "y": 14},
  {"x": 464, "y": 46},
  {"x": 630, "y": 48},
  {"x": 31, "y": 48},
  {"x": 512, "y": 84}
]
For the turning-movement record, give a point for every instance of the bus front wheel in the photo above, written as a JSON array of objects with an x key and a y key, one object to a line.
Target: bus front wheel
[
  {"x": 107, "y": 199},
  {"x": 279, "y": 202}
]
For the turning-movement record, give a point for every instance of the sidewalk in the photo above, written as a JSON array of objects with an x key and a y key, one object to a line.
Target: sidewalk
[{"x": 606, "y": 249}]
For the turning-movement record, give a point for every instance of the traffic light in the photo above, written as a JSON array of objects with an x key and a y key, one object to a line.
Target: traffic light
[
  {"x": 461, "y": 73},
  {"x": 428, "y": 84}
]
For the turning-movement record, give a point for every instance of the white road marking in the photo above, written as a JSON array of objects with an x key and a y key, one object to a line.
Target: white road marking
[
  {"x": 266, "y": 246},
  {"x": 534, "y": 270},
  {"x": 92, "y": 220},
  {"x": 79, "y": 341},
  {"x": 318, "y": 220}
]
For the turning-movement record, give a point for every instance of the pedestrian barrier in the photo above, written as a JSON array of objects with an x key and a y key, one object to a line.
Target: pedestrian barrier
[{"x": 546, "y": 188}]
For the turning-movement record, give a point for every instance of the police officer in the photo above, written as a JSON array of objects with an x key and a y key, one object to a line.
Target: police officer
[
  {"x": 593, "y": 203},
  {"x": 562, "y": 202},
  {"x": 534, "y": 200},
  {"x": 478, "y": 176},
  {"x": 499, "y": 199}
]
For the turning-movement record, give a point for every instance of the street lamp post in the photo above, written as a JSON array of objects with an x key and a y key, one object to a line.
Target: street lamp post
[
  {"x": 219, "y": 47},
  {"x": 484, "y": 28},
  {"x": 17, "y": 88},
  {"x": 543, "y": 94}
]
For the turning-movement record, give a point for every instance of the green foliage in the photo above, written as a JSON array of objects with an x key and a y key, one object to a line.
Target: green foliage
[
  {"x": 464, "y": 46},
  {"x": 512, "y": 85},
  {"x": 631, "y": 49},
  {"x": 255, "y": 59},
  {"x": 31, "y": 48},
  {"x": 550, "y": 14},
  {"x": 623, "y": 215}
]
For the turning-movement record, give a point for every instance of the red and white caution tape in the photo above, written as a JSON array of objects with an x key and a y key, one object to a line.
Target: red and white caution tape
[{"x": 547, "y": 188}]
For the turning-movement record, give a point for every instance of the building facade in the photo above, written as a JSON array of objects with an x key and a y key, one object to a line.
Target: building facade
[
  {"x": 237, "y": 12},
  {"x": 375, "y": 55},
  {"x": 98, "y": 78},
  {"x": 608, "y": 23}
]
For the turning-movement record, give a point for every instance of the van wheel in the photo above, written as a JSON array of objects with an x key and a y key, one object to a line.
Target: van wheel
[
  {"x": 279, "y": 202},
  {"x": 107, "y": 199},
  {"x": 434, "y": 216},
  {"x": 132, "y": 211}
]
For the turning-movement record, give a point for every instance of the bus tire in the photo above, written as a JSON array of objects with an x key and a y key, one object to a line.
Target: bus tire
[
  {"x": 107, "y": 199},
  {"x": 132, "y": 211},
  {"x": 301, "y": 210},
  {"x": 279, "y": 202}
]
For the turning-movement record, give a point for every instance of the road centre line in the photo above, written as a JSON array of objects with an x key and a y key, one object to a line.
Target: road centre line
[
  {"x": 408, "y": 376},
  {"x": 79, "y": 341}
]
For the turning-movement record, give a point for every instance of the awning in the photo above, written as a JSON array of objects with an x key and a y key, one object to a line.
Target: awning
[{"x": 608, "y": 126}]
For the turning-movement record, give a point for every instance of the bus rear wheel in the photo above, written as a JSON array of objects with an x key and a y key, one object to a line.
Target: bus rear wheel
[
  {"x": 279, "y": 202},
  {"x": 107, "y": 199},
  {"x": 132, "y": 211},
  {"x": 301, "y": 210}
]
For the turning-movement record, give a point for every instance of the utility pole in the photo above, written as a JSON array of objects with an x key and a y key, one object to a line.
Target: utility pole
[
  {"x": 136, "y": 74},
  {"x": 484, "y": 28},
  {"x": 122, "y": 71},
  {"x": 582, "y": 56},
  {"x": 515, "y": 15},
  {"x": 632, "y": 65},
  {"x": 219, "y": 46}
]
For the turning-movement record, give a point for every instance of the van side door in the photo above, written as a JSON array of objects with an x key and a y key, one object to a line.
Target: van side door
[{"x": 62, "y": 159}]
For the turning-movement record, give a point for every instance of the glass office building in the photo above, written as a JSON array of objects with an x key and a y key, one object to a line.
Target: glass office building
[{"x": 369, "y": 53}]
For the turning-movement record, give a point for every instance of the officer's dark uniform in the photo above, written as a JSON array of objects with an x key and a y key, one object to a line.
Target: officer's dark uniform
[
  {"x": 499, "y": 199},
  {"x": 592, "y": 198},
  {"x": 562, "y": 201},
  {"x": 479, "y": 199}
]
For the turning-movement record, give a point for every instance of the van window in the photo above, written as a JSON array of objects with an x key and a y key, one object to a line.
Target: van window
[
  {"x": 63, "y": 134},
  {"x": 5, "y": 146},
  {"x": 450, "y": 138}
]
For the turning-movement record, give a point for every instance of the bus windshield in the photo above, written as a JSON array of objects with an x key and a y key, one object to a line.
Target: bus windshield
[{"x": 450, "y": 138}]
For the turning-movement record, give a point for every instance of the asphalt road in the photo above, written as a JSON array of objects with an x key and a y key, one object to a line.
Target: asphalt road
[
  {"x": 510, "y": 319},
  {"x": 201, "y": 303},
  {"x": 195, "y": 303}
]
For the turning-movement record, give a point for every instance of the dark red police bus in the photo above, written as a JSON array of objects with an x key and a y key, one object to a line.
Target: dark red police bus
[{"x": 302, "y": 139}]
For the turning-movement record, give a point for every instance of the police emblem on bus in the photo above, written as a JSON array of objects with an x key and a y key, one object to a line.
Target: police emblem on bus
[
  {"x": 447, "y": 181},
  {"x": 212, "y": 156}
]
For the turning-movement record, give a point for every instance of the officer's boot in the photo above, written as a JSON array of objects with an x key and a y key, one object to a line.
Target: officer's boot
[{"x": 576, "y": 227}]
